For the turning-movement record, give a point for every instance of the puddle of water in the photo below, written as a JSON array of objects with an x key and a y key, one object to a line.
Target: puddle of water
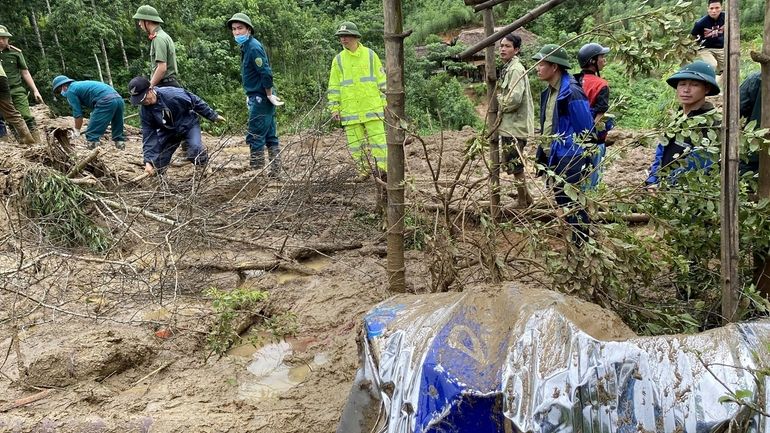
[
  {"x": 316, "y": 263},
  {"x": 270, "y": 376}
]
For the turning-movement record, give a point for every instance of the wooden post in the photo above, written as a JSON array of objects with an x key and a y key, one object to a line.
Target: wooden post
[
  {"x": 529, "y": 16},
  {"x": 395, "y": 113},
  {"x": 731, "y": 140},
  {"x": 763, "y": 274},
  {"x": 491, "y": 120}
]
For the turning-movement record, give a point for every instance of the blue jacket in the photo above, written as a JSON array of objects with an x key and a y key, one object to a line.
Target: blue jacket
[
  {"x": 681, "y": 157},
  {"x": 255, "y": 68},
  {"x": 169, "y": 118},
  {"x": 87, "y": 94},
  {"x": 571, "y": 116}
]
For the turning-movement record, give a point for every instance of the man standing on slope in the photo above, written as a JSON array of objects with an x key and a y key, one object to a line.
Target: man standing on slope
[
  {"x": 673, "y": 157},
  {"x": 517, "y": 118},
  {"x": 357, "y": 99},
  {"x": 10, "y": 113},
  {"x": 597, "y": 90},
  {"x": 257, "y": 77},
  {"x": 709, "y": 32},
  {"x": 16, "y": 70},
  {"x": 162, "y": 48},
  {"x": 565, "y": 118}
]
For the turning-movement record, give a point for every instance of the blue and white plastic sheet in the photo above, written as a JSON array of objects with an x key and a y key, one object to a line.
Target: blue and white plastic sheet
[{"x": 507, "y": 360}]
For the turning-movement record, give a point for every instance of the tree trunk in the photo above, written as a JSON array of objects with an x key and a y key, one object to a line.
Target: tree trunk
[
  {"x": 529, "y": 16},
  {"x": 99, "y": 67},
  {"x": 123, "y": 51},
  {"x": 33, "y": 20},
  {"x": 56, "y": 39},
  {"x": 106, "y": 61},
  {"x": 104, "y": 53},
  {"x": 491, "y": 120},
  {"x": 763, "y": 276},
  {"x": 731, "y": 129},
  {"x": 395, "y": 113}
]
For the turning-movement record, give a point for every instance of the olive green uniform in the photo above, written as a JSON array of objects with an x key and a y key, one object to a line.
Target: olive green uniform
[
  {"x": 10, "y": 113},
  {"x": 162, "y": 49},
  {"x": 13, "y": 62}
]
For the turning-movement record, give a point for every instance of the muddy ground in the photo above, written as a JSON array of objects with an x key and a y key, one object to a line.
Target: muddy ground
[{"x": 116, "y": 341}]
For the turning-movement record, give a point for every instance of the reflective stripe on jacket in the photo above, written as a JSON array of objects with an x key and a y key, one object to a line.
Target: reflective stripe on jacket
[{"x": 357, "y": 86}]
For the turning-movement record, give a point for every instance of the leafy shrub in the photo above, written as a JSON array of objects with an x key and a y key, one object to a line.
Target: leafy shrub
[
  {"x": 228, "y": 306},
  {"x": 59, "y": 207}
]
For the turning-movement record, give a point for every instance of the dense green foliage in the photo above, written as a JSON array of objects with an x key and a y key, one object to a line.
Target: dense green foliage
[{"x": 299, "y": 37}]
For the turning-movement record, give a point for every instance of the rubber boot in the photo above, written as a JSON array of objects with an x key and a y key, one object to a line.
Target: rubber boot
[
  {"x": 274, "y": 154},
  {"x": 522, "y": 192},
  {"x": 257, "y": 160},
  {"x": 36, "y": 135}
]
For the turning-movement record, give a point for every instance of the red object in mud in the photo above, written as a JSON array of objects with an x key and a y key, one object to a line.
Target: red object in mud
[{"x": 163, "y": 333}]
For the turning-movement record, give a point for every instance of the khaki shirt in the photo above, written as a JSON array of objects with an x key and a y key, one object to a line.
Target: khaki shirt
[
  {"x": 516, "y": 106},
  {"x": 550, "y": 106},
  {"x": 162, "y": 49}
]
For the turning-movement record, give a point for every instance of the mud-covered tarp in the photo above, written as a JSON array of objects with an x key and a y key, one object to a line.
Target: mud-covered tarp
[{"x": 512, "y": 360}]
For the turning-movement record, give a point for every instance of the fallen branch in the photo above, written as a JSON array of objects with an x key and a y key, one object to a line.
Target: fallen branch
[
  {"x": 141, "y": 177},
  {"x": 248, "y": 266},
  {"x": 154, "y": 372},
  {"x": 74, "y": 171},
  {"x": 307, "y": 251},
  {"x": 27, "y": 400},
  {"x": 90, "y": 181},
  {"x": 168, "y": 221}
]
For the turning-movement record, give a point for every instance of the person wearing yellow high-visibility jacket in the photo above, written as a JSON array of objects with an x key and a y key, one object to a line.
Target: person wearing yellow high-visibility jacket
[{"x": 356, "y": 97}]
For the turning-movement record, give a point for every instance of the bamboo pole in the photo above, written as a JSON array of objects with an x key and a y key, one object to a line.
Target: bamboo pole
[
  {"x": 395, "y": 113},
  {"x": 529, "y": 16},
  {"x": 491, "y": 120},
  {"x": 763, "y": 58},
  {"x": 731, "y": 140},
  {"x": 487, "y": 5}
]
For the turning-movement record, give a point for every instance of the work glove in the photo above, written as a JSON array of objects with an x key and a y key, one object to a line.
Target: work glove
[
  {"x": 220, "y": 119},
  {"x": 275, "y": 100}
]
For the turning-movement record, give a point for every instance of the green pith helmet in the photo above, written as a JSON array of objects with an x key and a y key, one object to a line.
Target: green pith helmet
[
  {"x": 699, "y": 71},
  {"x": 240, "y": 17},
  {"x": 348, "y": 29},
  {"x": 4, "y": 32},
  {"x": 553, "y": 53},
  {"x": 147, "y": 13}
]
